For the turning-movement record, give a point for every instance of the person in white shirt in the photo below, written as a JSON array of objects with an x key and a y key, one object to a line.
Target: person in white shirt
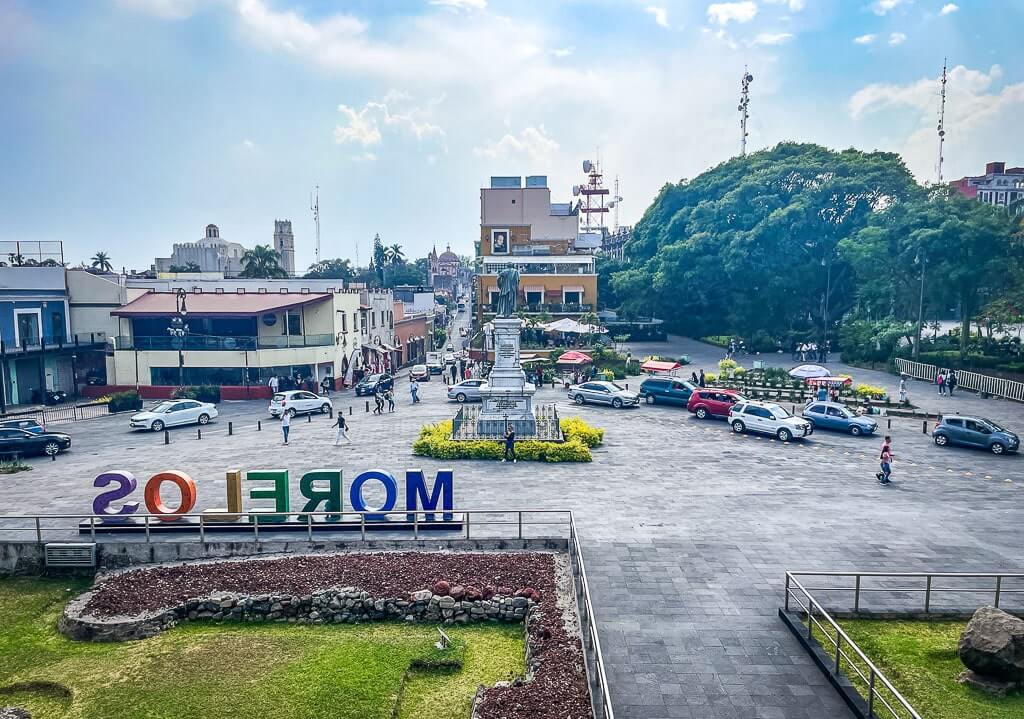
[
  {"x": 286, "y": 423},
  {"x": 273, "y": 383}
]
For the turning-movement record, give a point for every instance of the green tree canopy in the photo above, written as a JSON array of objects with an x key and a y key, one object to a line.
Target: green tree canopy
[
  {"x": 263, "y": 262},
  {"x": 336, "y": 269},
  {"x": 101, "y": 262}
]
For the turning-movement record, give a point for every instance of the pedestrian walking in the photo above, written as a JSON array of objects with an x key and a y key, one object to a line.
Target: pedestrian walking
[
  {"x": 286, "y": 425},
  {"x": 693, "y": 377},
  {"x": 510, "y": 444},
  {"x": 940, "y": 380},
  {"x": 903, "y": 390},
  {"x": 822, "y": 393},
  {"x": 273, "y": 383},
  {"x": 414, "y": 388},
  {"x": 701, "y": 380},
  {"x": 885, "y": 461},
  {"x": 951, "y": 382},
  {"x": 390, "y": 397},
  {"x": 325, "y": 386},
  {"x": 378, "y": 402},
  {"x": 342, "y": 432}
]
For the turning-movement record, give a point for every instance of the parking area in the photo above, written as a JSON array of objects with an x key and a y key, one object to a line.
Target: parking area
[{"x": 687, "y": 527}]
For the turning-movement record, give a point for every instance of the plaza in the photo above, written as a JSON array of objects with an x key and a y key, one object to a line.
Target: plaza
[{"x": 686, "y": 528}]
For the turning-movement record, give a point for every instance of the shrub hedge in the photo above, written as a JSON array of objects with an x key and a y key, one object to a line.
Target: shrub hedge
[
  {"x": 203, "y": 393},
  {"x": 125, "y": 401},
  {"x": 435, "y": 441}
]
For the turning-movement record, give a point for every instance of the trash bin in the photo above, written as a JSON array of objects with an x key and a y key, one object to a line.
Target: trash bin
[{"x": 758, "y": 364}]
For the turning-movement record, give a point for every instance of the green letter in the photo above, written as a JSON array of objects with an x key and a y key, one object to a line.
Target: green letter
[
  {"x": 330, "y": 496},
  {"x": 279, "y": 494}
]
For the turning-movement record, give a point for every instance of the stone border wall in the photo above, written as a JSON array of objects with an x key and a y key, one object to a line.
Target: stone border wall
[{"x": 331, "y": 606}]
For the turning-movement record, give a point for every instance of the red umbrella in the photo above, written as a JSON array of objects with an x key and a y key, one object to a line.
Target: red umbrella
[{"x": 574, "y": 357}]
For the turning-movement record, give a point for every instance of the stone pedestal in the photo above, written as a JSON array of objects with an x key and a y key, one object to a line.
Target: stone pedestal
[{"x": 507, "y": 396}]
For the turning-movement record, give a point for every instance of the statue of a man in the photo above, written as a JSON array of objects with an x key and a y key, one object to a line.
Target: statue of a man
[{"x": 508, "y": 290}]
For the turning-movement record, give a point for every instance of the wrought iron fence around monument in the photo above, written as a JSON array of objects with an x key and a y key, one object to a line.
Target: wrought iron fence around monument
[{"x": 467, "y": 425}]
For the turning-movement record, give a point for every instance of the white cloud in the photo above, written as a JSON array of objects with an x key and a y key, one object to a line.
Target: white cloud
[
  {"x": 896, "y": 38},
  {"x": 461, "y": 4},
  {"x": 165, "y": 9},
  {"x": 394, "y": 111},
  {"x": 865, "y": 39},
  {"x": 883, "y": 7},
  {"x": 532, "y": 143},
  {"x": 564, "y": 51},
  {"x": 660, "y": 14},
  {"x": 725, "y": 12},
  {"x": 248, "y": 144},
  {"x": 793, "y": 5},
  {"x": 361, "y": 127},
  {"x": 768, "y": 38},
  {"x": 949, "y": 8}
]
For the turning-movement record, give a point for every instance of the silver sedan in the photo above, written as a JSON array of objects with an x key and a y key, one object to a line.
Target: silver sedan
[
  {"x": 603, "y": 393},
  {"x": 468, "y": 390}
]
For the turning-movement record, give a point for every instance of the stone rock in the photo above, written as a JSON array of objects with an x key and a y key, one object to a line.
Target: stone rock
[
  {"x": 423, "y": 595},
  {"x": 14, "y": 713},
  {"x": 992, "y": 645},
  {"x": 457, "y": 592},
  {"x": 472, "y": 593},
  {"x": 995, "y": 687},
  {"x": 442, "y": 588},
  {"x": 488, "y": 592}
]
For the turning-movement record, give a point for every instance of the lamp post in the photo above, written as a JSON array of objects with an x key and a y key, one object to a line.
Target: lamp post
[
  {"x": 920, "y": 259},
  {"x": 823, "y": 350},
  {"x": 179, "y": 330}
]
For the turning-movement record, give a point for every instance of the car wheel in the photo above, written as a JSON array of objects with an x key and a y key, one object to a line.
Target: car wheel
[
  {"x": 579, "y": 399},
  {"x": 997, "y": 448},
  {"x": 941, "y": 440},
  {"x": 460, "y": 397},
  {"x": 204, "y": 419},
  {"x": 738, "y": 427},
  {"x": 325, "y": 408},
  {"x": 51, "y": 448},
  {"x": 784, "y": 435},
  {"x": 617, "y": 403},
  {"x": 157, "y": 426},
  {"x": 291, "y": 412},
  {"x": 650, "y": 399},
  {"x": 701, "y": 413},
  {"x": 855, "y": 430}
]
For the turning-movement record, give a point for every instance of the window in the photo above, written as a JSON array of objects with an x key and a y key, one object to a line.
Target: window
[
  {"x": 572, "y": 298},
  {"x": 958, "y": 423},
  {"x": 344, "y": 322},
  {"x": 27, "y": 326},
  {"x": 759, "y": 412},
  {"x": 534, "y": 298},
  {"x": 834, "y": 412},
  {"x": 678, "y": 386},
  {"x": 974, "y": 426},
  {"x": 294, "y": 324},
  {"x": 11, "y": 434},
  {"x": 816, "y": 409}
]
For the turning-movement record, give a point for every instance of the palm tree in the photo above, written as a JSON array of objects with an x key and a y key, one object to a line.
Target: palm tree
[
  {"x": 101, "y": 262},
  {"x": 395, "y": 255},
  {"x": 262, "y": 262}
]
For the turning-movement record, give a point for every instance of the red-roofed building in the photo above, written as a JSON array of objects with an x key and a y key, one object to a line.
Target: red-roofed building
[{"x": 999, "y": 186}]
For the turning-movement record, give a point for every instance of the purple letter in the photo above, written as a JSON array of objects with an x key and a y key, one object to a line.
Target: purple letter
[{"x": 126, "y": 484}]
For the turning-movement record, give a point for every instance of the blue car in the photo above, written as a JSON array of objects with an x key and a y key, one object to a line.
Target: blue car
[
  {"x": 834, "y": 416},
  {"x": 29, "y": 425},
  {"x": 975, "y": 432}
]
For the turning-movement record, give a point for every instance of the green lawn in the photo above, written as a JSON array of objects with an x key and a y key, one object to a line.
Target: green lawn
[
  {"x": 210, "y": 671},
  {"x": 920, "y": 659}
]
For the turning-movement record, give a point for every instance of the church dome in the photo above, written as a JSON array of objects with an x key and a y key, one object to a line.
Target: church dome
[{"x": 448, "y": 256}]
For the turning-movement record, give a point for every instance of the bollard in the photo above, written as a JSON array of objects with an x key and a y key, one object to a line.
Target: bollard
[
  {"x": 330, "y": 412},
  {"x": 259, "y": 425},
  {"x": 199, "y": 434},
  {"x": 350, "y": 410},
  {"x": 309, "y": 418},
  {"x": 167, "y": 437},
  {"x": 889, "y": 425},
  {"x": 230, "y": 430},
  {"x": 924, "y": 426},
  {"x": 792, "y": 409},
  {"x": 627, "y": 385},
  {"x": 367, "y": 405}
]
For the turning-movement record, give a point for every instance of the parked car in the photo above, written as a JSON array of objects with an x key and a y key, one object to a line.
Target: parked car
[
  {"x": 710, "y": 402},
  {"x": 832, "y": 415},
  {"x": 604, "y": 393},
  {"x": 766, "y": 418},
  {"x": 449, "y": 358},
  {"x": 298, "y": 401},
  {"x": 173, "y": 413},
  {"x": 468, "y": 390},
  {"x": 29, "y": 425},
  {"x": 369, "y": 384},
  {"x": 667, "y": 390},
  {"x": 420, "y": 373},
  {"x": 975, "y": 432},
  {"x": 19, "y": 441},
  {"x": 463, "y": 332}
]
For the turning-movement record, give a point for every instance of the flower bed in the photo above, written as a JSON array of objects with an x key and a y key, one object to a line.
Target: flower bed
[
  {"x": 527, "y": 582},
  {"x": 436, "y": 441}
]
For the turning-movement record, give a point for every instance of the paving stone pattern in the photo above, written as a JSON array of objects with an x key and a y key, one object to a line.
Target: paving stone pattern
[{"x": 687, "y": 528}]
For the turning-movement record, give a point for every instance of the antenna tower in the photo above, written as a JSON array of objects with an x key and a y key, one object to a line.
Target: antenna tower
[
  {"x": 744, "y": 109},
  {"x": 942, "y": 118},
  {"x": 314, "y": 205},
  {"x": 616, "y": 200},
  {"x": 593, "y": 194}
]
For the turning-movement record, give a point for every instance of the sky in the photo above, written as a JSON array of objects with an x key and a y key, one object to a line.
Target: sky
[{"x": 130, "y": 125}]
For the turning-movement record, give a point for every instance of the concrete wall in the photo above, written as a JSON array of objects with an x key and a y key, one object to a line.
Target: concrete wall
[
  {"x": 526, "y": 206},
  {"x": 92, "y": 298}
]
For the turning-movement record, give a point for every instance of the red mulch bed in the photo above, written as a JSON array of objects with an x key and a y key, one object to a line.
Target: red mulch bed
[{"x": 559, "y": 687}]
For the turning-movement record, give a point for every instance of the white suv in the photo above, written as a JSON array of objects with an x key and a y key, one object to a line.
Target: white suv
[
  {"x": 298, "y": 401},
  {"x": 768, "y": 419}
]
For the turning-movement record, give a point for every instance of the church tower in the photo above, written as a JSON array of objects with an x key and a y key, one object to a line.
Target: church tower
[{"x": 284, "y": 243}]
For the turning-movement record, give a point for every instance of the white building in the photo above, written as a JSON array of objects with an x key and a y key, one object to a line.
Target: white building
[
  {"x": 999, "y": 186},
  {"x": 212, "y": 254},
  {"x": 284, "y": 243}
]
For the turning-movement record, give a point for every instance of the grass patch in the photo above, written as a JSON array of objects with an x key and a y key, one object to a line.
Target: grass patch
[
  {"x": 222, "y": 671},
  {"x": 920, "y": 659}
]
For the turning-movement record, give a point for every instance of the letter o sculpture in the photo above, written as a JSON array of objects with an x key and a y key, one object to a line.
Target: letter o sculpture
[{"x": 155, "y": 505}]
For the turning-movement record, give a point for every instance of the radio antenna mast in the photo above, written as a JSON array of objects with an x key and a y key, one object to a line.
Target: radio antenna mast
[
  {"x": 314, "y": 205},
  {"x": 744, "y": 109},
  {"x": 942, "y": 118}
]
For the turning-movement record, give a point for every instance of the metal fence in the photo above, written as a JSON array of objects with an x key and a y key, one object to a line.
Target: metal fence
[
  {"x": 975, "y": 381},
  {"x": 909, "y": 594},
  {"x": 61, "y": 413},
  {"x": 599, "y": 691}
]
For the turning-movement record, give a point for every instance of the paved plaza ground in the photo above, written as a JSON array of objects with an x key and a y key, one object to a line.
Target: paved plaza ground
[{"x": 687, "y": 529}]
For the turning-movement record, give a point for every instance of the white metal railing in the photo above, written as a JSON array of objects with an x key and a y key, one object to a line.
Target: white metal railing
[
  {"x": 845, "y": 653},
  {"x": 599, "y": 694},
  {"x": 917, "y": 370},
  {"x": 974, "y": 381}
]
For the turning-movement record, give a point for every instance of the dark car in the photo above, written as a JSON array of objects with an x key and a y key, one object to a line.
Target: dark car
[
  {"x": 29, "y": 425},
  {"x": 372, "y": 383},
  {"x": 18, "y": 441},
  {"x": 975, "y": 432},
  {"x": 667, "y": 390}
]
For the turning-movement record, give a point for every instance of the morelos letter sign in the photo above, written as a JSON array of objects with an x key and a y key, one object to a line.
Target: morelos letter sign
[{"x": 322, "y": 490}]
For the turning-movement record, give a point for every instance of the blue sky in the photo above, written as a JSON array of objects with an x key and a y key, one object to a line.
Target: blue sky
[{"x": 131, "y": 124}]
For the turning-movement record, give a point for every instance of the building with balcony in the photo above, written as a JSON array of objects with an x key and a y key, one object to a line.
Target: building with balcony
[
  {"x": 521, "y": 227},
  {"x": 414, "y": 333},
  {"x": 999, "y": 186},
  {"x": 236, "y": 339},
  {"x": 378, "y": 351}
]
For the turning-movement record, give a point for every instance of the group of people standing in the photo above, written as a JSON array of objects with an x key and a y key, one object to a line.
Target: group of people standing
[
  {"x": 811, "y": 351},
  {"x": 947, "y": 381}
]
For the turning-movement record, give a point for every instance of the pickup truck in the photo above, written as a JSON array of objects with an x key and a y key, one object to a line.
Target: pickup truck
[{"x": 434, "y": 363}]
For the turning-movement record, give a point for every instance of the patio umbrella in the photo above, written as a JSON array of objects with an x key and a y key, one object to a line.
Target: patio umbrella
[
  {"x": 805, "y": 371},
  {"x": 574, "y": 357},
  {"x": 565, "y": 325}
]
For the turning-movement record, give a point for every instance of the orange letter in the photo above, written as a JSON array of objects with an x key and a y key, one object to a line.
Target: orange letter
[{"x": 185, "y": 485}]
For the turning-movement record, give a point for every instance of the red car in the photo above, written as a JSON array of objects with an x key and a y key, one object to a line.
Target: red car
[{"x": 709, "y": 402}]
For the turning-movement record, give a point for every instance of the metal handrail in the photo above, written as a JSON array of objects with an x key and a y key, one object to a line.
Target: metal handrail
[
  {"x": 586, "y": 620},
  {"x": 874, "y": 676}
]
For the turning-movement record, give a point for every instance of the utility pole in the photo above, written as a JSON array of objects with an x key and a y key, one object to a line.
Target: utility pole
[
  {"x": 920, "y": 259},
  {"x": 942, "y": 118},
  {"x": 744, "y": 109},
  {"x": 314, "y": 205}
]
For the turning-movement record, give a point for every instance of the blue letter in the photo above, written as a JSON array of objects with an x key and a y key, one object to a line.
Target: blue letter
[
  {"x": 126, "y": 484},
  {"x": 356, "y": 494},
  {"x": 416, "y": 493}
]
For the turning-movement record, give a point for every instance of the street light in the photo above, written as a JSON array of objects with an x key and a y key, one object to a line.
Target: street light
[
  {"x": 920, "y": 259},
  {"x": 179, "y": 331}
]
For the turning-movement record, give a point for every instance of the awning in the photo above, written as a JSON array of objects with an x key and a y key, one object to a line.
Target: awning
[
  {"x": 208, "y": 304},
  {"x": 657, "y": 366},
  {"x": 534, "y": 288},
  {"x": 574, "y": 357},
  {"x": 573, "y": 288}
]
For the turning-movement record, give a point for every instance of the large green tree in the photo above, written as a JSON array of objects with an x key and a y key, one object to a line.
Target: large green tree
[
  {"x": 263, "y": 262},
  {"x": 336, "y": 269}
]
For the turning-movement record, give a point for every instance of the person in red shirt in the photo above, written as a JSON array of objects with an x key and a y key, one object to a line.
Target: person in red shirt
[{"x": 885, "y": 461}]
